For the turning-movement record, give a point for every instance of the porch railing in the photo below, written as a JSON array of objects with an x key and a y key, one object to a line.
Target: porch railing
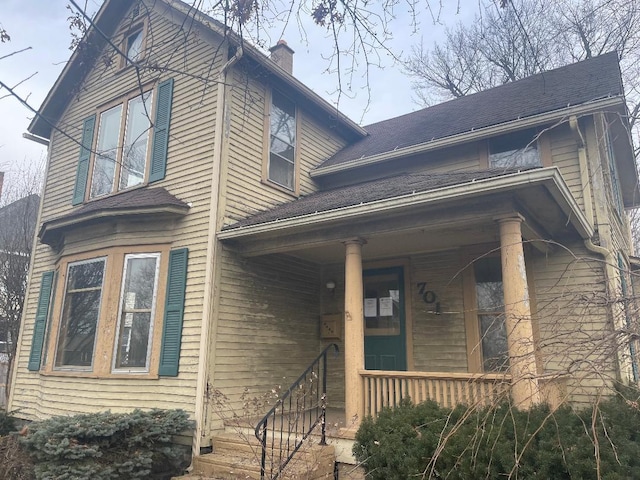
[
  {"x": 294, "y": 416},
  {"x": 386, "y": 388}
]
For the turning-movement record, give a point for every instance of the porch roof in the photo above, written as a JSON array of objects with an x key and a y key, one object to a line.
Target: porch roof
[
  {"x": 366, "y": 193},
  {"x": 415, "y": 201}
]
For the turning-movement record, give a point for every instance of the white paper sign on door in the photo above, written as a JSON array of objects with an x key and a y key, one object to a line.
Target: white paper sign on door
[
  {"x": 386, "y": 307},
  {"x": 370, "y": 307}
]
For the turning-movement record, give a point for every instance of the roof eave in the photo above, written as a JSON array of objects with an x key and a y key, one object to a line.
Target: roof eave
[
  {"x": 108, "y": 17},
  {"x": 272, "y": 68},
  {"x": 535, "y": 120},
  {"x": 551, "y": 177},
  {"x": 50, "y": 231}
]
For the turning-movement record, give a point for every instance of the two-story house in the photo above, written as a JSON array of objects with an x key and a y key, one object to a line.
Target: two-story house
[{"x": 210, "y": 224}]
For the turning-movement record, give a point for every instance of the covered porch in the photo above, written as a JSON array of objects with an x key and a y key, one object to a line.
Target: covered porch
[{"x": 400, "y": 280}]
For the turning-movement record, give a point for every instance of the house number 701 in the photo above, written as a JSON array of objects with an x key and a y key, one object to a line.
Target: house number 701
[{"x": 428, "y": 296}]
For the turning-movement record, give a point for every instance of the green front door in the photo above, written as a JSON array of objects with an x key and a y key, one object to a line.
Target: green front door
[{"x": 384, "y": 323}]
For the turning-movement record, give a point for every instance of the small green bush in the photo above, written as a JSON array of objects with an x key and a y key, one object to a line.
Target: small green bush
[
  {"x": 106, "y": 446},
  {"x": 498, "y": 442}
]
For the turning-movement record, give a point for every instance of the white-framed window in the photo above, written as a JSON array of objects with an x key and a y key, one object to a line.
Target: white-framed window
[
  {"x": 514, "y": 150},
  {"x": 281, "y": 168},
  {"x": 80, "y": 314},
  {"x": 122, "y": 146},
  {"x": 138, "y": 297}
]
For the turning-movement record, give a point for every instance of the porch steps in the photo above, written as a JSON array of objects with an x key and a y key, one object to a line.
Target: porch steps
[{"x": 236, "y": 456}]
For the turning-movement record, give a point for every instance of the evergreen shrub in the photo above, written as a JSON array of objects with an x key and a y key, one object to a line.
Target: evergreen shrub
[
  {"x": 500, "y": 441},
  {"x": 7, "y": 423},
  {"x": 105, "y": 446}
]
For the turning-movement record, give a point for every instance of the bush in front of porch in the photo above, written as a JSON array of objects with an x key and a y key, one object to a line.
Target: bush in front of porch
[{"x": 500, "y": 441}]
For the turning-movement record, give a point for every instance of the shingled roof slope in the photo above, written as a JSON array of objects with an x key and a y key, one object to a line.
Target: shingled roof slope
[
  {"x": 366, "y": 192},
  {"x": 574, "y": 84}
]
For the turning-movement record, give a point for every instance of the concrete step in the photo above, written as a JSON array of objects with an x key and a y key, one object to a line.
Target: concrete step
[{"x": 238, "y": 457}]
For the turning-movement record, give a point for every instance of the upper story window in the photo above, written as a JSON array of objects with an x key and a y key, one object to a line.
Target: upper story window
[
  {"x": 134, "y": 46},
  {"x": 121, "y": 149},
  {"x": 133, "y": 43},
  {"x": 514, "y": 150},
  {"x": 127, "y": 147},
  {"x": 282, "y": 141}
]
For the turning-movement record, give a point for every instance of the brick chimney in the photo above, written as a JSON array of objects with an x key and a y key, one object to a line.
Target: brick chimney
[{"x": 282, "y": 55}]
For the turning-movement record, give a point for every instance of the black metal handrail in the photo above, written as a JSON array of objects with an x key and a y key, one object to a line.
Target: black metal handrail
[{"x": 296, "y": 414}]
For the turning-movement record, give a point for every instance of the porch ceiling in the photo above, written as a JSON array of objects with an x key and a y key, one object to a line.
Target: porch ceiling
[{"x": 443, "y": 218}]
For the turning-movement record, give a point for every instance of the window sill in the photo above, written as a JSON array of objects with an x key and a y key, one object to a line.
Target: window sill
[
  {"x": 95, "y": 376},
  {"x": 291, "y": 193},
  {"x": 114, "y": 194}
]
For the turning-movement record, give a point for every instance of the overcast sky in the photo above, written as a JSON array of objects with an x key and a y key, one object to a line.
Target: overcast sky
[{"x": 42, "y": 27}]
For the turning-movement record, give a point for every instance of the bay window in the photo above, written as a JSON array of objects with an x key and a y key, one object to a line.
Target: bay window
[
  {"x": 80, "y": 313},
  {"x": 137, "y": 304},
  {"x": 108, "y": 314}
]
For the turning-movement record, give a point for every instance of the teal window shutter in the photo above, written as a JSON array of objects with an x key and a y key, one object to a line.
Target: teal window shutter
[
  {"x": 42, "y": 314},
  {"x": 161, "y": 131},
  {"x": 82, "y": 174},
  {"x": 173, "y": 313}
]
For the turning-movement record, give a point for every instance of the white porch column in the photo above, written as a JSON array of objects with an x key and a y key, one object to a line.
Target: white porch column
[
  {"x": 525, "y": 389},
  {"x": 353, "y": 333}
]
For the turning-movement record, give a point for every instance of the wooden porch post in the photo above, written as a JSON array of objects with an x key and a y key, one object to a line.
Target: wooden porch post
[
  {"x": 353, "y": 333},
  {"x": 525, "y": 389}
]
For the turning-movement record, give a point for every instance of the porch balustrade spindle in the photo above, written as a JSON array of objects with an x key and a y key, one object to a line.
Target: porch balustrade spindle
[{"x": 389, "y": 388}]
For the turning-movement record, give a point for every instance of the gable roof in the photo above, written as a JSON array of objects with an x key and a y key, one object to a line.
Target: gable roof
[
  {"x": 107, "y": 20},
  {"x": 571, "y": 85}
]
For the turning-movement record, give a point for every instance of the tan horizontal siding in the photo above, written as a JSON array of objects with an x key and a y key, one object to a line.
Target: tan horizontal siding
[
  {"x": 267, "y": 325},
  {"x": 439, "y": 341},
  {"x": 564, "y": 155},
  {"x": 245, "y": 192},
  {"x": 573, "y": 319},
  {"x": 188, "y": 178}
]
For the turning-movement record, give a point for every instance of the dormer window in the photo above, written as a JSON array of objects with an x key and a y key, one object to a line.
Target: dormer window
[
  {"x": 120, "y": 158},
  {"x": 282, "y": 141},
  {"x": 514, "y": 150}
]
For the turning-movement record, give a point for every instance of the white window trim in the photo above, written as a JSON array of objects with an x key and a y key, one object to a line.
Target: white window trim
[
  {"x": 127, "y": 256},
  {"x": 77, "y": 368}
]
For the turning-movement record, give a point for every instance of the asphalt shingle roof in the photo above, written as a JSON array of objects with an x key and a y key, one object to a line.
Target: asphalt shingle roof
[
  {"x": 575, "y": 84},
  {"x": 129, "y": 200},
  {"x": 366, "y": 192}
]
